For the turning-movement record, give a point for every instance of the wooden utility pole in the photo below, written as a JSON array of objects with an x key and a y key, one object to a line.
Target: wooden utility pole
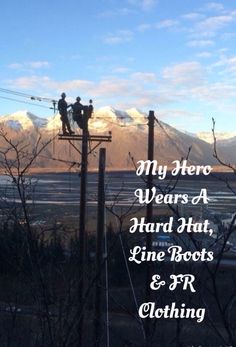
[
  {"x": 149, "y": 216},
  {"x": 100, "y": 248},
  {"x": 85, "y": 138},
  {"x": 82, "y": 220}
]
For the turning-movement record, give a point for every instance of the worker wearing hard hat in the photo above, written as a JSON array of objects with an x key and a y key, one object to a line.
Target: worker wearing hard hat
[
  {"x": 77, "y": 108},
  {"x": 62, "y": 108}
]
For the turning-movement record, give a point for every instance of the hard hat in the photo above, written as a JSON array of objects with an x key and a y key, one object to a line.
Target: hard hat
[{"x": 63, "y": 95}]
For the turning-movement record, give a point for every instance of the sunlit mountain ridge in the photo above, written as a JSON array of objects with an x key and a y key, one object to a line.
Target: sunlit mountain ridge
[{"x": 129, "y": 139}]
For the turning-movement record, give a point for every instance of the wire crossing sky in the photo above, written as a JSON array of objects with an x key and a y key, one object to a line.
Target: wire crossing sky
[{"x": 177, "y": 57}]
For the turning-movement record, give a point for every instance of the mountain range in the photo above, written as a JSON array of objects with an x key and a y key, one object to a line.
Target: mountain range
[{"x": 129, "y": 140}]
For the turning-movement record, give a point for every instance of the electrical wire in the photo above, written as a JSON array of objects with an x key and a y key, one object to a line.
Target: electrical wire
[
  {"x": 127, "y": 268},
  {"x": 25, "y": 102},
  {"x": 40, "y": 98},
  {"x": 122, "y": 125},
  {"x": 25, "y": 95},
  {"x": 181, "y": 152},
  {"x": 44, "y": 99},
  {"x": 120, "y": 118}
]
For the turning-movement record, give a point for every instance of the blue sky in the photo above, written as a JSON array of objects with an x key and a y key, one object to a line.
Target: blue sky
[{"x": 177, "y": 57}]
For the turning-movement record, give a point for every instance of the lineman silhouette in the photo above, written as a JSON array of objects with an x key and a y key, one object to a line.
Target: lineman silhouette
[
  {"x": 62, "y": 108},
  {"x": 77, "y": 108}
]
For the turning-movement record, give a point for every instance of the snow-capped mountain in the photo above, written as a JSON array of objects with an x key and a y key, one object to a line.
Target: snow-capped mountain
[
  {"x": 23, "y": 120},
  {"x": 53, "y": 123},
  {"x": 227, "y": 149},
  {"x": 220, "y": 136},
  {"x": 129, "y": 135},
  {"x": 103, "y": 118}
]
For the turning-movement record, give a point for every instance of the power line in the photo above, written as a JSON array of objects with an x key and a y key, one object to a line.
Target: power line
[
  {"x": 52, "y": 108},
  {"x": 120, "y": 125},
  {"x": 39, "y": 98},
  {"x": 124, "y": 256},
  {"x": 25, "y": 102},
  {"x": 54, "y": 102},
  {"x": 181, "y": 152},
  {"x": 25, "y": 95},
  {"x": 124, "y": 117}
]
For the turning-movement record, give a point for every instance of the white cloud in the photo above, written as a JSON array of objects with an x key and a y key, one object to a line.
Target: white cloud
[
  {"x": 75, "y": 57},
  {"x": 200, "y": 43},
  {"x": 185, "y": 74},
  {"x": 216, "y": 93},
  {"x": 228, "y": 36},
  {"x": 123, "y": 11},
  {"x": 215, "y": 6},
  {"x": 107, "y": 87},
  {"x": 222, "y": 50},
  {"x": 213, "y": 24},
  {"x": 45, "y": 82},
  {"x": 144, "y": 27},
  {"x": 122, "y": 36},
  {"x": 110, "y": 87},
  {"x": 146, "y": 77},
  {"x": 148, "y": 4},
  {"x": 129, "y": 90},
  {"x": 168, "y": 23},
  {"x": 228, "y": 64},
  {"x": 145, "y": 5},
  {"x": 192, "y": 16},
  {"x": 38, "y": 64},
  {"x": 204, "y": 54},
  {"x": 179, "y": 113},
  {"x": 31, "y": 65},
  {"x": 177, "y": 84},
  {"x": 29, "y": 82},
  {"x": 203, "y": 30},
  {"x": 231, "y": 64},
  {"x": 15, "y": 66},
  {"x": 120, "y": 69}
]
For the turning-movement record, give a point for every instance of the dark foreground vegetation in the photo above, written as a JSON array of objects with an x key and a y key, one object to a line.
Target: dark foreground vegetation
[{"x": 39, "y": 278}]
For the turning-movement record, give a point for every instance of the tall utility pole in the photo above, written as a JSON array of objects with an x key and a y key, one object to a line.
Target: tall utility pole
[
  {"x": 85, "y": 138},
  {"x": 100, "y": 249},
  {"x": 82, "y": 220},
  {"x": 149, "y": 215}
]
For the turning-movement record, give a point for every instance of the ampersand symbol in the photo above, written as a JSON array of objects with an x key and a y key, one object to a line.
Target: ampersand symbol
[{"x": 156, "y": 283}]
